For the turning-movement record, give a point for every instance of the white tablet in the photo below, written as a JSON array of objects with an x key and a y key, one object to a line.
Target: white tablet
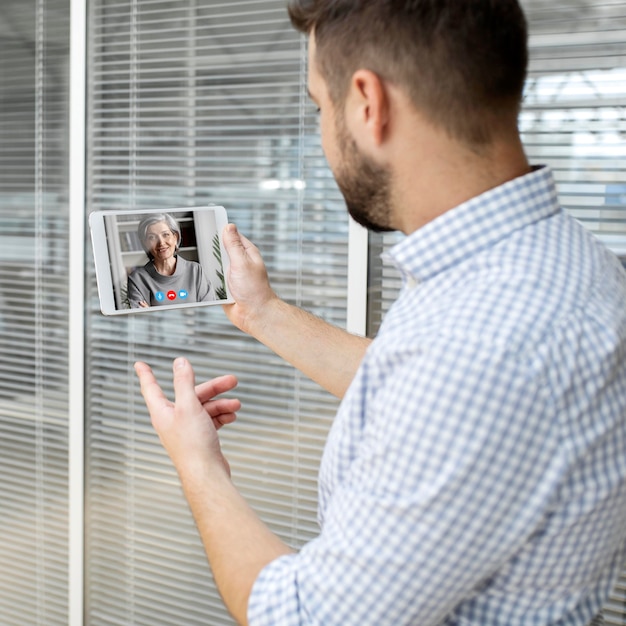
[{"x": 154, "y": 260}]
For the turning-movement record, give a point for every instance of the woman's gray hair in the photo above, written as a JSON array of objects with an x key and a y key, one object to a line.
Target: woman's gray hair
[{"x": 146, "y": 222}]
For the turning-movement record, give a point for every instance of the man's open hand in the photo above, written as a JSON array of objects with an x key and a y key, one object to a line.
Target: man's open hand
[{"x": 188, "y": 426}]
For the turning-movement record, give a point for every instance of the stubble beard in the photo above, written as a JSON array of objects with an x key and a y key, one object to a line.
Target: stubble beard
[{"x": 365, "y": 185}]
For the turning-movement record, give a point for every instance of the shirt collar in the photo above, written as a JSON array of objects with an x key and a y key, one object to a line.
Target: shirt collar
[{"x": 476, "y": 224}]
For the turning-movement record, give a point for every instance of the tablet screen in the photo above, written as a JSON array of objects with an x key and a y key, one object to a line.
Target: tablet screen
[{"x": 153, "y": 260}]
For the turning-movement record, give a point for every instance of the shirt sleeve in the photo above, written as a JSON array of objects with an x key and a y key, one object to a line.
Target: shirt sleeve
[
  {"x": 135, "y": 295},
  {"x": 453, "y": 465}
]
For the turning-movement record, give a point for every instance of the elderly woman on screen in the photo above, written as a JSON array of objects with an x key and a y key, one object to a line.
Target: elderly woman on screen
[{"x": 167, "y": 278}]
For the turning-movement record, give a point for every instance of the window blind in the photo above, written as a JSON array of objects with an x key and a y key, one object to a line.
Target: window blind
[
  {"x": 33, "y": 299},
  {"x": 573, "y": 116},
  {"x": 574, "y": 120},
  {"x": 189, "y": 103}
]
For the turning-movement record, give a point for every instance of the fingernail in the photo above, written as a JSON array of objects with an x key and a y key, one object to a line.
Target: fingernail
[{"x": 179, "y": 362}]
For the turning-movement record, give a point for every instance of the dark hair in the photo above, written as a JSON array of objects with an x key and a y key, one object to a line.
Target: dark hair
[{"x": 462, "y": 62}]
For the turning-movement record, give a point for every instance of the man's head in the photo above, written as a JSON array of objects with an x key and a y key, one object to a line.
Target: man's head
[{"x": 462, "y": 63}]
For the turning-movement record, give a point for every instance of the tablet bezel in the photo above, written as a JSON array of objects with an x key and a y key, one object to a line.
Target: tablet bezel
[{"x": 103, "y": 261}]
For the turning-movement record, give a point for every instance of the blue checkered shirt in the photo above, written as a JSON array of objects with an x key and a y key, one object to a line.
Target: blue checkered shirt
[{"x": 476, "y": 470}]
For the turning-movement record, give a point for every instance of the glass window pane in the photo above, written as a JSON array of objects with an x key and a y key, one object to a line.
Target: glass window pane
[
  {"x": 191, "y": 103},
  {"x": 34, "y": 293}
]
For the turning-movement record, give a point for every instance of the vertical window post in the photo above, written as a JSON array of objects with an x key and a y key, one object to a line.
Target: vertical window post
[{"x": 76, "y": 310}]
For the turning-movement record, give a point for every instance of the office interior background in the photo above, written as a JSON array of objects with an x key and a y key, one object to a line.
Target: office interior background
[{"x": 188, "y": 102}]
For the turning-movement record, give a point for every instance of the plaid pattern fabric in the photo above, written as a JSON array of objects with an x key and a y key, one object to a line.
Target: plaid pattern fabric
[{"x": 476, "y": 469}]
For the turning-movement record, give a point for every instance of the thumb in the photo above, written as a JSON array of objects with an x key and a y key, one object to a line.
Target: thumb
[
  {"x": 232, "y": 240},
  {"x": 239, "y": 248},
  {"x": 184, "y": 384}
]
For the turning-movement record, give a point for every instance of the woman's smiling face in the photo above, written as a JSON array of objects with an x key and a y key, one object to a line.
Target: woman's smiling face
[{"x": 161, "y": 241}]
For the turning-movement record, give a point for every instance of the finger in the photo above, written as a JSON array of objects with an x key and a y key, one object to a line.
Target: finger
[
  {"x": 232, "y": 240},
  {"x": 245, "y": 242},
  {"x": 184, "y": 386},
  {"x": 223, "y": 420},
  {"x": 223, "y": 405},
  {"x": 150, "y": 389},
  {"x": 237, "y": 245},
  {"x": 211, "y": 388}
]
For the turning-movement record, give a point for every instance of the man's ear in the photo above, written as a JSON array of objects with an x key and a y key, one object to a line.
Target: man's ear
[{"x": 367, "y": 107}]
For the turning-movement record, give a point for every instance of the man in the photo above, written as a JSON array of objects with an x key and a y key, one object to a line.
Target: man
[{"x": 476, "y": 469}]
